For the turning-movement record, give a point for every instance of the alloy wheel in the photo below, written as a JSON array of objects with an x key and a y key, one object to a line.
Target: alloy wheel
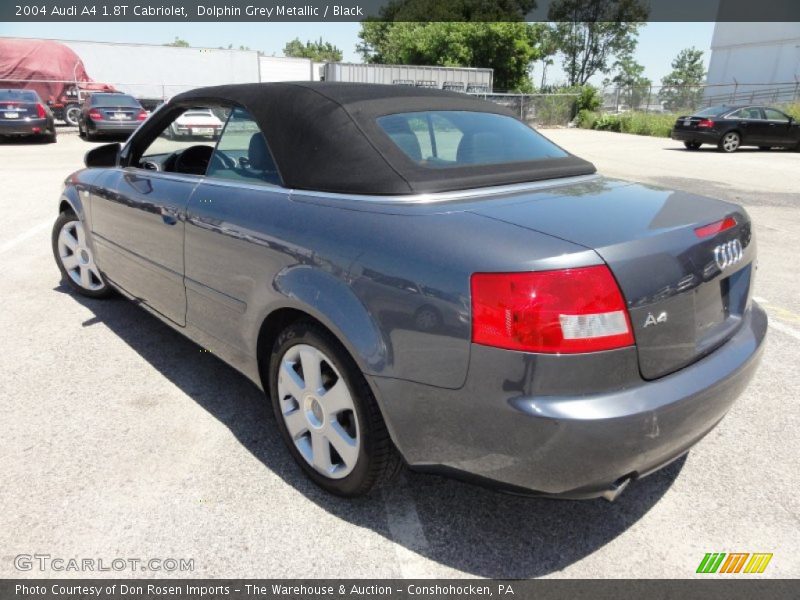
[
  {"x": 730, "y": 142},
  {"x": 77, "y": 258},
  {"x": 318, "y": 410}
]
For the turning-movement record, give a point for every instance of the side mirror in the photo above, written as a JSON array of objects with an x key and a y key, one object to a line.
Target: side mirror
[{"x": 106, "y": 155}]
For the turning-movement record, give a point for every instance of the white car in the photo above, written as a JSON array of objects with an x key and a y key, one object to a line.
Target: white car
[{"x": 196, "y": 122}]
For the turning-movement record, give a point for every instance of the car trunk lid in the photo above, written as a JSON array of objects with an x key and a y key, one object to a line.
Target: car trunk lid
[
  {"x": 685, "y": 294},
  {"x": 17, "y": 111}
]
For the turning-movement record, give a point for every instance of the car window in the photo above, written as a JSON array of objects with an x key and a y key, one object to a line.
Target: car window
[
  {"x": 711, "y": 111},
  {"x": 747, "y": 113},
  {"x": 441, "y": 139},
  {"x": 776, "y": 115},
  {"x": 242, "y": 153},
  {"x": 114, "y": 100},
  {"x": 18, "y": 96},
  {"x": 189, "y": 130}
]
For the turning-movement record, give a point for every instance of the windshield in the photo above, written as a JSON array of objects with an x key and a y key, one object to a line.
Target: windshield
[
  {"x": 441, "y": 139},
  {"x": 712, "y": 111},
  {"x": 18, "y": 96},
  {"x": 115, "y": 100}
]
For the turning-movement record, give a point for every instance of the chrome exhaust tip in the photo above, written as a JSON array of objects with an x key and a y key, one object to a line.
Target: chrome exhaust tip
[{"x": 616, "y": 489}]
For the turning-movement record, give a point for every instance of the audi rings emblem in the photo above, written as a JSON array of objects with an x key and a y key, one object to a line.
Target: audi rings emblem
[{"x": 728, "y": 254}]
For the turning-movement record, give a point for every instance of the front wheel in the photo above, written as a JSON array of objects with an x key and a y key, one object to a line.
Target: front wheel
[
  {"x": 327, "y": 414},
  {"x": 692, "y": 145},
  {"x": 75, "y": 259},
  {"x": 730, "y": 142}
]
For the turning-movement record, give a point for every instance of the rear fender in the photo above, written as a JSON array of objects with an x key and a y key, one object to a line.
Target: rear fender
[{"x": 331, "y": 301}]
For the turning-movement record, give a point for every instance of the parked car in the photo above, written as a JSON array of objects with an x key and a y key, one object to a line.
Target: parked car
[
  {"x": 731, "y": 127},
  {"x": 586, "y": 332},
  {"x": 197, "y": 122},
  {"x": 22, "y": 113},
  {"x": 107, "y": 114}
]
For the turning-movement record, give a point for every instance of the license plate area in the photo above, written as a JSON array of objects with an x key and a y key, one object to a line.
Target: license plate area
[
  {"x": 687, "y": 122},
  {"x": 119, "y": 116},
  {"x": 11, "y": 115}
]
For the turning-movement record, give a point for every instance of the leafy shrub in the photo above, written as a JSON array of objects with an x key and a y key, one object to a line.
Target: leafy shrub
[
  {"x": 588, "y": 99},
  {"x": 637, "y": 123},
  {"x": 586, "y": 119},
  {"x": 793, "y": 110}
]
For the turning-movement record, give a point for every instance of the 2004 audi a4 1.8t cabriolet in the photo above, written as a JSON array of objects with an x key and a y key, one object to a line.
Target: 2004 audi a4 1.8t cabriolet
[{"x": 417, "y": 276}]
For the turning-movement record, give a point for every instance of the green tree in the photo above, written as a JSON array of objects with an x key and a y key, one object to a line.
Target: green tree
[
  {"x": 318, "y": 51},
  {"x": 507, "y": 47},
  {"x": 681, "y": 89},
  {"x": 178, "y": 43},
  {"x": 548, "y": 48},
  {"x": 590, "y": 32},
  {"x": 425, "y": 11},
  {"x": 633, "y": 87}
]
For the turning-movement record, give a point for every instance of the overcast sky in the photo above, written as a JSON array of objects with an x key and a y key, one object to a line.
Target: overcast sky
[{"x": 659, "y": 43}]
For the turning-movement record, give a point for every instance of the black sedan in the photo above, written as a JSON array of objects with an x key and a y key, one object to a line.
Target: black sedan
[
  {"x": 731, "y": 127},
  {"x": 110, "y": 114},
  {"x": 22, "y": 113},
  {"x": 417, "y": 276}
]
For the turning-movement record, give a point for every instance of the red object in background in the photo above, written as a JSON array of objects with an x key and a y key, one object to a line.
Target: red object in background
[{"x": 44, "y": 66}]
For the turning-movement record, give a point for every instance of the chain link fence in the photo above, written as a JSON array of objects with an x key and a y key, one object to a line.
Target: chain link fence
[
  {"x": 683, "y": 99},
  {"x": 540, "y": 110}
]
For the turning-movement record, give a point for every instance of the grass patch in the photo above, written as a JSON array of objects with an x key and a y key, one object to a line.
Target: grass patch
[{"x": 653, "y": 124}]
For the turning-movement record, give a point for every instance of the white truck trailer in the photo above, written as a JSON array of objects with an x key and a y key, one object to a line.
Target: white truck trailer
[{"x": 449, "y": 78}]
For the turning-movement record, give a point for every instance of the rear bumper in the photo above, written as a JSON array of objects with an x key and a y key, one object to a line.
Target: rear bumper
[
  {"x": 500, "y": 429},
  {"x": 112, "y": 127},
  {"x": 25, "y": 127},
  {"x": 702, "y": 137}
]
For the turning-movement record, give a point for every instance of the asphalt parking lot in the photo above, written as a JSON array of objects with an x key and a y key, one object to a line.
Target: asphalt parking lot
[{"x": 120, "y": 438}]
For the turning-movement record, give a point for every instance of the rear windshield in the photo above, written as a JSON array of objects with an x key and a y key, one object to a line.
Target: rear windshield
[
  {"x": 441, "y": 139},
  {"x": 18, "y": 96},
  {"x": 712, "y": 111},
  {"x": 115, "y": 100}
]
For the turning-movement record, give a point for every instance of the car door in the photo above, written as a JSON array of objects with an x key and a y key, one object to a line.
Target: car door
[
  {"x": 229, "y": 255},
  {"x": 779, "y": 128},
  {"x": 138, "y": 222},
  {"x": 751, "y": 124}
]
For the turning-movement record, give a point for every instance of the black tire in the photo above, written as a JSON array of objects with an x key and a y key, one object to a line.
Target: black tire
[
  {"x": 104, "y": 291},
  {"x": 81, "y": 132},
  {"x": 692, "y": 145},
  {"x": 378, "y": 461},
  {"x": 51, "y": 138},
  {"x": 89, "y": 136}
]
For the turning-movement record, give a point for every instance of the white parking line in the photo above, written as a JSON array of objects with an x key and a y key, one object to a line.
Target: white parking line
[
  {"x": 775, "y": 323},
  {"x": 790, "y": 331},
  {"x": 15, "y": 241},
  {"x": 406, "y": 530}
]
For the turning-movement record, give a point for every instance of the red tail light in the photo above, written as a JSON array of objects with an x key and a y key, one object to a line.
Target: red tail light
[
  {"x": 706, "y": 124},
  {"x": 141, "y": 116},
  {"x": 715, "y": 228},
  {"x": 40, "y": 111},
  {"x": 95, "y": 115},
  {"x": 564, "y": 311}
]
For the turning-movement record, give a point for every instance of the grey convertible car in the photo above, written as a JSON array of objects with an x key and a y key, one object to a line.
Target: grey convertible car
[{"x": 416, "y": 276}]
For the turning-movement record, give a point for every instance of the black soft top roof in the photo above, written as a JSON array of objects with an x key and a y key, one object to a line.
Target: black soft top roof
[{"x": 324, "y": 136}]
